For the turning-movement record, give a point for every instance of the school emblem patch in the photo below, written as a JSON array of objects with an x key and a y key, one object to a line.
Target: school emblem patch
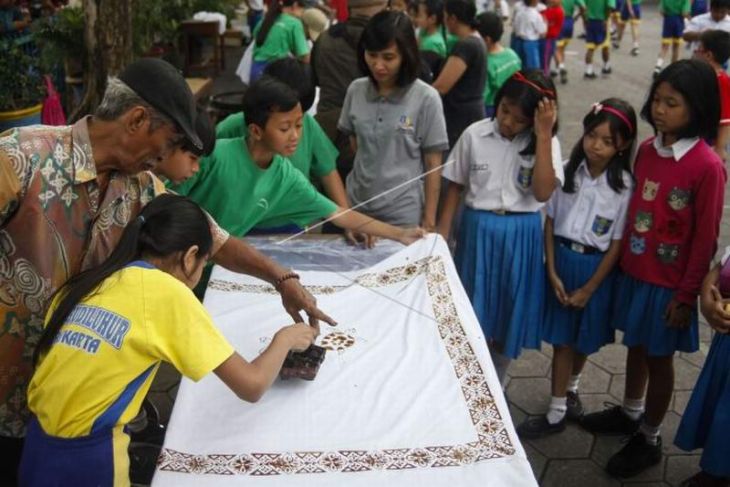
[
  {"x": 678, "y": 199},
  {"x": 667, "y": 253},
  {"x": 524, "y": 177},
  {"x": 601, "y": 225},
  {"x": 638, "y": 245},
  {"x": 643, "y": 221}
]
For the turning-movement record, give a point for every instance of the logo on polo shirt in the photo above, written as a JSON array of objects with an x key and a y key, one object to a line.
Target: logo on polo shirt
[
  {"x": 405, "y": 123},
  {"x": 263, "y": 203}
]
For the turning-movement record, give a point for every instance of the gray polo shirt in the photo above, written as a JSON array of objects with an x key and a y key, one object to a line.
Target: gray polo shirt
[{"x": 392, "y": 133}]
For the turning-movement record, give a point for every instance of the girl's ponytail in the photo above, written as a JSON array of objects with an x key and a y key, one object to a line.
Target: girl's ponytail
[
  {"x": 271, "y": 15},
  {"x": 168, "y": 224}
]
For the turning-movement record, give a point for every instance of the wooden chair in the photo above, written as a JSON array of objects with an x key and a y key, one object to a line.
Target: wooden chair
[{"x": 195, "y": 29}]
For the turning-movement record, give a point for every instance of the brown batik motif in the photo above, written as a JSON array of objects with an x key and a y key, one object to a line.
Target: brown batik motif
[{"x": 492, "y": 440}]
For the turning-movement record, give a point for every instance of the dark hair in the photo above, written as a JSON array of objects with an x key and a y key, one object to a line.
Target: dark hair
[
  {"x": 434, "y": 7},
  {"x": 297, "y": 75},
  {"x": 266, "y": 96},
  {"x": 696, "y": 81},
  {"x": 526, "y": 94},
  {"x": 489, "y": 24},
  {"x": 272, "y": 14},
  {"x": 716, "y": 42},
  {"x": 205, "y": 130},
  {"x": 620, "y": 131},
  {"x": 463, "y": 10},
  {"x": 381, "y": 30},
  {"x": 167, "y": 225},
  {"x": 719, "y": 4}
]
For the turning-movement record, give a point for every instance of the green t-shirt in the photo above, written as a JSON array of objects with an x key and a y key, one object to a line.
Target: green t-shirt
[
  {"x": 599, "y": 9},
  {"x": 569, "y": 6},
  {"x": 674, "y": 7},
  {"x": 315, "y": 156},
  {"x": 451, "y": 40},
  {"x": 500, "y": 66},
  {"x": 285, "y": 37},
  {"x": 239, "y": 195},
  {"x": 432, "y": 42}
]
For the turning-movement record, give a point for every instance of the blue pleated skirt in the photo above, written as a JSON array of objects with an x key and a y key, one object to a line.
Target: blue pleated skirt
[
  {"x": 500, "y": 261},
  {"x": 584, "y": 330},
  {"x": 639, "y": 313},
  {"x": 706, "y": 421}
]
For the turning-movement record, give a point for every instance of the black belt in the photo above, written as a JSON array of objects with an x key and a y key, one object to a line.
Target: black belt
[
  {"x": 577, "y": 247},
  {"x": 506, "y": 212}
]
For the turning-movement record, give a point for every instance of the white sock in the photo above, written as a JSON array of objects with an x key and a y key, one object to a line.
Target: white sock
[
  {"x": 557, "y": 409},
  {"x": 589, "y": 68},
  {"x": 606, "y": 65},
  {"x": 651, "y": 433},
  {"x": 636, "y": 45},
  {"x": 561, "y": 66},
  {"x": 633, "y": 408},
  {"x": 659, "y": 63},
  {"x": 573, "y": 383}
]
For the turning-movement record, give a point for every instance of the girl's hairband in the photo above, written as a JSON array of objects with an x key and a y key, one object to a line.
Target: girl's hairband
[
  {"x": 518, "y": 76},
  {"x": 598, "y": 108}
]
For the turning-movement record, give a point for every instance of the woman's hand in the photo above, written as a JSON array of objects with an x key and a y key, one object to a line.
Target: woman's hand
[
  {"x": 410, "y": 235},
  {"x": 298, "y": 336},
  {"x": 580, "y": 297},
  {"x": 678, "y": 315},
  {"x": 716, "y": 310},
  {"x": 545, "y": 117},
  {"x": 559, "y": 288}
]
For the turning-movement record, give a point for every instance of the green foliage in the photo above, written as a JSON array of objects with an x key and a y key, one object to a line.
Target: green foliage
[
  {"x": 157, "y": 21},
  {"x": 60, "y": 36},
  {"x": 20, "y": 78}
]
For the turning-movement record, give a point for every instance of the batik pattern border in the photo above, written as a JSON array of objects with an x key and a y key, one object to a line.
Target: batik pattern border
[{"x": 492, "y": 442}]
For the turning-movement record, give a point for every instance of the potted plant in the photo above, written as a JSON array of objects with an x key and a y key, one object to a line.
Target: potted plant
[
  {"x": 22, "y": 94},
  {"x": 60, "y": 38}
]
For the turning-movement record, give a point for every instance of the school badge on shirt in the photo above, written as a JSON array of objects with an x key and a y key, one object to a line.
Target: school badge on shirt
[
  {"x": 405, "y": 124},
  {"x": 601, "y": 225}
]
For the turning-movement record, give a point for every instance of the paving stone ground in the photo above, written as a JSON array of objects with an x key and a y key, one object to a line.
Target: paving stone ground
[{"x": 574, "y": 458}]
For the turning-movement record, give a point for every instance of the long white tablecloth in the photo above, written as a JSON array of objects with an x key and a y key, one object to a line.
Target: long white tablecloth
[{"x": 406, "y": 396}]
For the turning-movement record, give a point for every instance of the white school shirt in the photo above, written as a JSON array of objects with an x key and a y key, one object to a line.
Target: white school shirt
[
  {"x": 495, "y": 175},
  {"x": 529, "y": 24},
  {"x": 703, "y": 22},
  {"x": 594, "y": 214}
]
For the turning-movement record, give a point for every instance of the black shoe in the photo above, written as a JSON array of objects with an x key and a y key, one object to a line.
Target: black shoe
[
  {"x": 656, "y": 72},
  {"x": 611, "y": 421},
  {"x": 575, "y": 406},
  {"x": 563, "y": 76},
  {"x": 704, "y": 479},
  {"x": 606, "y": 70},
  {"x": 589, "y": 75},
  {"x": 635, "y": 457},
  {"x": 553, "y": 73},
  {"x": 539, "y": 427},
  {"x": 634, "y": 51},
  {"x": 615, "y": 44}
]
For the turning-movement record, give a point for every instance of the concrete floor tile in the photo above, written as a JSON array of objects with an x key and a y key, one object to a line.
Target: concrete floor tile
[
  {"x": 697, "y": 358},
  {"x": 576, "y": 473},
  {"x": 680, "y": 467},
  {"x": 685, "y": 375},
  {"x": 518, "y": 415},
  {"x": 669, "y": 431},
  {"x": 679, "y": 403},
  {"x": 618, "y": 385},
  {"x": 532, "y": 395},
  {"x": 644, "y": 484},
  {"x": 531, "y": 363},
  {"x": 538, "y": 461},
  {"x": 547, "y": 349},
  {"x": 594, "y": 379},
  {"x": 705, "y": 333},
  {"x": 611, "y": 358},
  {"x": 574, "y": 442}
]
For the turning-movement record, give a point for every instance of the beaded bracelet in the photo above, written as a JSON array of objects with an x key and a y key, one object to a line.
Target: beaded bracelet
[{"x": 285, "y": 277}]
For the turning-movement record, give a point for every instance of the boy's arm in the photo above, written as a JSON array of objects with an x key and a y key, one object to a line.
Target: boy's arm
[{"x": 357, "y": 222}]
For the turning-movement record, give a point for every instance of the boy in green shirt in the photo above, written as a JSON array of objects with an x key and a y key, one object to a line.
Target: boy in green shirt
[
  {"x": 502, "y": 62},
  {"x": 597, "y": 12},
  {"x": 247, "y": 180},
  {"x": 566, "y": 33},
  {"x": 674, "y": 13},
  {"x": 315, "y": 156}
]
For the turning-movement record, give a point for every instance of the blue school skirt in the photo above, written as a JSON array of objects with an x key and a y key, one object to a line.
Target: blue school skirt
[
  {"x": 706, "y": 421},
  {"x": 87, "y": 461},
  {"x": 584, "y": 330},
  {"x": 639, "y": 313},
  {"x": 500, "y": 261}
]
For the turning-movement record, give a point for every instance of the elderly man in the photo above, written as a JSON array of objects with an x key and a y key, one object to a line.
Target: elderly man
[{"x": 66, "y": 194}]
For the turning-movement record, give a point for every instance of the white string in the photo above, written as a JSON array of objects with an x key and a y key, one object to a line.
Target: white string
[{"x": 379, "y": 195}]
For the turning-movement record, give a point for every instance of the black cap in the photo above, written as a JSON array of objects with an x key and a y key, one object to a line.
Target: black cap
[{"x": 163, "y": 87}]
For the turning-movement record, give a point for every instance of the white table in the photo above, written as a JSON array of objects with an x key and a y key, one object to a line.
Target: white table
[{"x": 408, "y": 396}]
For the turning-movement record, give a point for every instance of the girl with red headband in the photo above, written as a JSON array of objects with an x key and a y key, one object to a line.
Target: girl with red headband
[
  {"x": 508, "y": 167},
  {"x": 583, "y": 231}
]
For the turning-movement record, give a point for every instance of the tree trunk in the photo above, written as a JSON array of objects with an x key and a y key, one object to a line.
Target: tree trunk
[{"x": 108, "y": 39}]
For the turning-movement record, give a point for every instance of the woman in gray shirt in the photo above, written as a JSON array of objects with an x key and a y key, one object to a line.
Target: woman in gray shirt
[{"x": 396, "y": 126}]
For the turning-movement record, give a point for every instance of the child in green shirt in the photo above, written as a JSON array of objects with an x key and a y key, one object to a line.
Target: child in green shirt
[
  {"x": 674, "y": 13},
  {"x": 502, "y": 62},
  {"x": 597, "y": 12},
  {"x": 431, "y": 41},
  {"x": 279, "y": 35}
]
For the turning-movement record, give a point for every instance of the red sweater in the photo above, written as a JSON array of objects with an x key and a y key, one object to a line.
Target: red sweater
[
  {"x": 674, "y": 218},
  {"x": 554, "y": 19}
]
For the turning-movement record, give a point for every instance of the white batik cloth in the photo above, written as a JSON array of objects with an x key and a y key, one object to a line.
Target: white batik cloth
[{"x": 407, "y": 394}]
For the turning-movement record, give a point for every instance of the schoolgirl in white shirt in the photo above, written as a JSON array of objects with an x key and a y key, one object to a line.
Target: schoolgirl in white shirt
[
  {"x": 508, "y": 166},
  {"x": 583, "y": 231}
]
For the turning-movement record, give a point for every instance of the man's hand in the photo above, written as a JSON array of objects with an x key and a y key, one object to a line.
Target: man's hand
[{"x": 296, "y": 299}]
